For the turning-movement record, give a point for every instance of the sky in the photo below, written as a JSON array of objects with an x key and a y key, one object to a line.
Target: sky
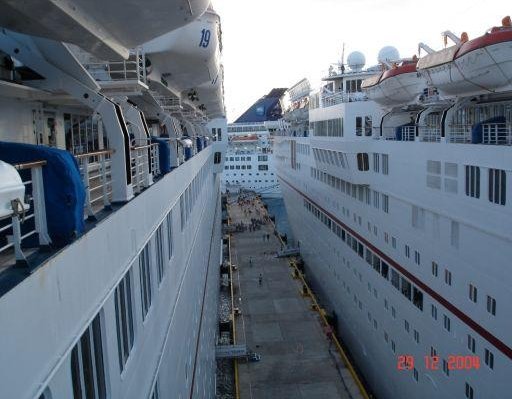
[{"x": 276, "y": 43}]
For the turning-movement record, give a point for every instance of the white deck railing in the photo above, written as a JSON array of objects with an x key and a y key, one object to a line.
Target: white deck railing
[
  {"x": 459, "y": 134},
  {"x": 141, "y": 158},
  {"x": 430, "y": 134},
  {"x": 14, "y": 233},
  {"x": 95, "y": 169},
  {"x": 497, "y": 133},
  {"x": 133, "y": 69}
]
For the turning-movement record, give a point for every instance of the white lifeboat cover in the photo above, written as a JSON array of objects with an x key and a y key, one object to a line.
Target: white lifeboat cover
[{"x": 11, "y": 188}]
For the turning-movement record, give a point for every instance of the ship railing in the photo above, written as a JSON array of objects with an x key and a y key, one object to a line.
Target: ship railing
[
  {"x": 497, "y": 133},
  {"x": 132, "y": 69},
  {"x": 402, "y": 133},
  {"x": 155, "y": 159},
  {"x": 144, "y": 158},
  {"x": 430, "y": 134},
  {"x": 96, "y": 171},
  {"x": 459, "y": 133},
  {"x": 26, "y": 222},
  {"x": 328, "y": 100}
]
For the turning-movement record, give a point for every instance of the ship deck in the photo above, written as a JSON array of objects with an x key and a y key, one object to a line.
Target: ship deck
[{"x": 278, "y": 323}]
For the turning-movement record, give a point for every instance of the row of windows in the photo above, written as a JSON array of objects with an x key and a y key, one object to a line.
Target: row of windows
[
  {"x": 87, "y": 359},
  {"x": 251, "y": 181},
  {"x": 366, "y": 128},
  {"x": 244, "y": 129},
  {"x": 334, "y": 158},
  {"x": 303, "y": 149},
  {"x": 238, "y": 167},
  {"x": 189, "y": 197},
  {"x": 387, "y": 272},
  {"x": 361, "y": 192},
  {"x": 497, "y": 180},
  {"x": 497, "y": 184},
  {"x": 328, "y": 128},
  {"x": 238, "y": 159},
  {"x": 250, "y": 174}
]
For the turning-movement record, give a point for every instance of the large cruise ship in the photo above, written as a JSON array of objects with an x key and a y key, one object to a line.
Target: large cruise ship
[
  {"x": 249, "y": 163},
  {"x": 113, "y": 133},
  {"x": 396, "y": 180}
]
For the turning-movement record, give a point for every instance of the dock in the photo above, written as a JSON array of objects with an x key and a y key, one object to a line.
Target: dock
[{"x": 277, "y": 319}]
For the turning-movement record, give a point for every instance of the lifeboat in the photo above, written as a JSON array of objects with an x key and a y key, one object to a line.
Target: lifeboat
[
  {"x": 398, "y": 85},
  {"x": 187, "y": 57},
  {"x": 481, "y": 64},
  {"x": 107, "y": 29}
]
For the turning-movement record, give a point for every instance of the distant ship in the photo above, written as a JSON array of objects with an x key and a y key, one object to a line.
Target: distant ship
[
  {"x": 113, "y": 138},
  {"x": 249, "y": 163},
  {"x": 396, "y": 180}
]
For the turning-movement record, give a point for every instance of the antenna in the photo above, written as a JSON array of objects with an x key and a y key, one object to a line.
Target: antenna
[{"x": 343, "y": 58}]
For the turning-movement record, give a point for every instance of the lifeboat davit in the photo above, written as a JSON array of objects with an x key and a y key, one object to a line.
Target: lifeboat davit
[
  {"x": 481, "y": 64},
  {"x": 398, "y": 85}
]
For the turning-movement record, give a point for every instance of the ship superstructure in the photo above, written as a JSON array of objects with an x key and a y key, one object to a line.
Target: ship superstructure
[
  {"x": 112, "y": 143},
  {"x": 396, "y": 185},
  {"x": 249, "y": 162}
]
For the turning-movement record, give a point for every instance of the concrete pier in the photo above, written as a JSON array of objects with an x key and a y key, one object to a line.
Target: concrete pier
[{"x": 277, "y": 322}]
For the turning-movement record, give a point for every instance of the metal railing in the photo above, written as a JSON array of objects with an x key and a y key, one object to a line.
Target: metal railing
[
  {"x": 142, "y": 157},
  {"x": 26, "y": 222},
  {"x": 328, "y": 100},
  {"x": 404, "y": 133},
  {"x": 95, "y": 169},
  {"x": 134, "y": 68},
  {"x": 497, "y": 133},
  {"x": 430, "y": 134},
  {"x": 459, "y": 134}
]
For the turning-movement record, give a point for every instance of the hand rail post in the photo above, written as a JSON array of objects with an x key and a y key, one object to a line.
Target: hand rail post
[
  {"x": 16, "y": 240},
  {"x": 39, "y": 206},
  {"x": 104, "y": 181},
  {"x": 85, "y": 174}
]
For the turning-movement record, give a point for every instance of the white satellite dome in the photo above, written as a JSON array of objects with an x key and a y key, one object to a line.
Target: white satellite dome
[
  {"x": 356, "y": 61},
  {"x": 387, "y": 54}
]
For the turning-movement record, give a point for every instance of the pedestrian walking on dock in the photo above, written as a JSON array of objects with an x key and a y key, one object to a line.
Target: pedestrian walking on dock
[{"x": 260, "y": 279}]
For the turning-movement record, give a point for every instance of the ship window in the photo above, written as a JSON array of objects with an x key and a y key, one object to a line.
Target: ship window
[
  {"x": 248, "y": 158},
  {"x": 417, "y": 257},
  {"x": 87, "y": 366},
  {"x": 159, "y": 243},
  {"x": 124, "y": 319},
  {"x": 417, "y": 298},
  {"x": 262, "y": 167},
  {"x": 471, "y": 343},
  {"x": 231, "y": 167},
  {"x": 362, "y": 162},
  {"x": 359, "y": 125},
  {"x": 384, "y": 270},
  {"x": 385, "y": 203},
  {"x": 376, "y": 202},
  {"x": 406, "y": 326},
  {"x": 416, "y": 336},
  {"x": 446, "y": 323},
  {"x": 395, "y": 279},
  {"x": 469, "y": 391},
  {"x": 231, "y": 158},
  {"x": 446, "y": 370},
  {"x": 433, "y": 311},
  {"x": 473, "y": 293},
  {"x": 415, "y": 375},
  {"x": 491, "y": 305},
  {"x": 237, "y": 166},
  {"x": 489, "y": 358},
  {"x": 367, "y": 125},
  {"x": 385, "y": 164},
  {"x": 393, "y": 242},
  {"x": 376, "y": 162},
  {"x": 407, "y": 251},
  {"x": 145, "y": 279},
  {"x": 169, "y": 235},
  {"x": 393, "y": 346},
  {"x": 448, "y": 277},
  {"x": 435, "y": 269},
  {"x": 497, "y": 186},
  {"x": 473, "y": 181},
  {"x": 406, "y": 288}
]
